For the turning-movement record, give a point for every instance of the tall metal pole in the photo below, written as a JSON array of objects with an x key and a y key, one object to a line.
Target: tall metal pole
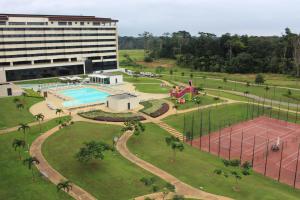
[
  {"x": 200, "y": 130},
  {"x": 219, "y": 149},
  {"x": 192, "y": 133},
  {"x": 209, "y": 131},
  {"x": 267, "y": 154},
  {"x": 184, "y": 131},
  {"x": 253, "y": 151},
  {"x": 230, "y": 143},
  {"x": 280, "y": 163},
  {"x": 271, "y": 108},
  {"x": 252, "y": 109},
  {"x": 296, "y": 172},
  {"x": 297, "y": 113},
  {"x": 241, "y": 154},
  {"x": 287, "y": 113},
  {"x": 279, "y": 109}
]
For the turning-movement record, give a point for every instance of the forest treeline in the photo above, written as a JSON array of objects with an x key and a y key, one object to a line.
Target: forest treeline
[{"x": 226, "y": 53}]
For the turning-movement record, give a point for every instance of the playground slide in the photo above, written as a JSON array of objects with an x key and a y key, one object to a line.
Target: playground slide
[{"x": 182, "y": 92}]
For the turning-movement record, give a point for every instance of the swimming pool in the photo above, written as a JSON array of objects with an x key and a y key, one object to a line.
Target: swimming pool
[{"x": 80, "y": 96}]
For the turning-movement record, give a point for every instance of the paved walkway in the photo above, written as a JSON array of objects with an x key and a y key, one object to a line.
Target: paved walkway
[
  {"x": 45, "y": 168},
  {"x": 181, "y": 187}
]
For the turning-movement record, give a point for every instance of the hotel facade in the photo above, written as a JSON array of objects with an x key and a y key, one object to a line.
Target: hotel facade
[{"x": 43, "y": 46}]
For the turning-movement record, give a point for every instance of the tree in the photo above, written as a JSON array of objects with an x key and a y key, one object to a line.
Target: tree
[
  {"x": 175, "y": 144},
  {"x": 182, "y": 73},
  {"x": 197, "y": 100},
  {"x": 39, "y": 117},
  {"x": 24, "y": 127},
  {"x": 18, "y": 144},
  {"x": 58, "y": 111},
  {"x": 133, "y": 125},
  {"x": 259, "y": 79},
  {"x": 30, "y": 161},
  {"x": 224, "y": 79},
  {"x": 64, "y": 185},
  {"x": 92, "y": 150},
  {"x": 16, "y": 100},
  {"x": 20, "y": 105}
]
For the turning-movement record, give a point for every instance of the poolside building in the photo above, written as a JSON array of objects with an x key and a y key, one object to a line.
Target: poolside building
[
  {"x": 122, "y": 102},
  {"x": 106, "y": 78},
  {"x": 42, "y": 46}
]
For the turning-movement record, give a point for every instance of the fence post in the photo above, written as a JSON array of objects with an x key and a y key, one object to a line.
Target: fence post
[
  {"x": 192, "y": 134},
  {"x": 266, "y": 162},
  {"x": 297, "y": 113},
  {"x": 241, "y": 154},
  {"x": 200, "y": 130},
  {"x": 287, "y": 113},
  {"x": 271, "y": 108},
  {"x": 264, "y": 104},
  {"x": 209, "y": 131},
  {"x": 279, "y": 108},
  {"x": 184, "y": 131},
  {"x": 280, "y": 164},
  {"x": 296, "y": 166},
  {"x": 252, "y": 109},
  {"x": 230, "y": 143},
  {"x": 219, "y": 149},
  {"x": 253, "y": 151}
]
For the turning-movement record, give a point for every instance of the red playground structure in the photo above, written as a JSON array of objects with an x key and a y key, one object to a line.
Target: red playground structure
[{"x": 178, "y": 93}]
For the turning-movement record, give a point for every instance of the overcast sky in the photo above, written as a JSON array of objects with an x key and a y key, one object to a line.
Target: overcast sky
[{"x": 252, "y": 17}]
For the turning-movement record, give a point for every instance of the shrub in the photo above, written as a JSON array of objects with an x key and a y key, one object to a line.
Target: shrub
[
  {"x": 155, "y": 188},
  {"x": 170, "y": 187},
  {"x": 148, "y": 59},
  {"x": 259, "y": 79}
]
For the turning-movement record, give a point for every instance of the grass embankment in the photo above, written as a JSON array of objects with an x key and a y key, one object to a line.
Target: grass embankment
[
  {"x": 147, "y": 85},
  {"x": 222, "y": 116},
  {"x": 196, "y": 168},
  {"x": 111, "y": 178},
  {"x": 39, "y": 81},
  {"x": 16, "y": 179},
  {"x": 11, "y": 116},
  {"x": 108, "y": 116},
  {"x": 151, "y": 106}
]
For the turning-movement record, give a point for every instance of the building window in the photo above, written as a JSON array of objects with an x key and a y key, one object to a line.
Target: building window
[
  {"x": 81, "y": 23},
  {"x": 96, "y": 23},
  {"x": 62, "y": 23},
  {"x": 16, "y": 23},
  {"x": 2, "y": 23},
  {"x": 69, "y": 23},
  {"x": 51, "y": 22}
]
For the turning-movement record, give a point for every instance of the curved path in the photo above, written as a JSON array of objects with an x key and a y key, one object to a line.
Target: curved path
[
  {"x": 45, "y": 168},
  {"x": 181, "y": 187}
]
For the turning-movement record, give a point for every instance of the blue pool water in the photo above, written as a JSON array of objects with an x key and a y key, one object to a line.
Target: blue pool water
[{"x": 82, "y": 96}]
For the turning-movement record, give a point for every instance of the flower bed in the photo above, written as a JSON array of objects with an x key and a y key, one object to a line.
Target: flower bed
[{"x": 100, "y": 115}]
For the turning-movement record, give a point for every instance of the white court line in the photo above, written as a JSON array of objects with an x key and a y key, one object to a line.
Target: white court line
[{"x": 291, "y": 155}]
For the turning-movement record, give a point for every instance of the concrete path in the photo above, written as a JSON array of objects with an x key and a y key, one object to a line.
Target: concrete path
[
  {"x": 181, "y": 187},
  {"x": 46, "y": 169}
]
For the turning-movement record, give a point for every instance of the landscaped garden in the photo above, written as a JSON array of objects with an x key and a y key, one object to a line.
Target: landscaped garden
[
  {"x": 197, "y": 169},
  {"x": 16, "y": 178},
  {"x": 100, "y": 115},
  {"x": 199, "y": 100},
  {"x": 114, "y": 177},
  {"x": 15, "y": 110},
  {"x": 154, "y": 108}
]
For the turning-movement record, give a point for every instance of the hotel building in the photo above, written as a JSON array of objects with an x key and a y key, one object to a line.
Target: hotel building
[{"x": 42, "y": 46}]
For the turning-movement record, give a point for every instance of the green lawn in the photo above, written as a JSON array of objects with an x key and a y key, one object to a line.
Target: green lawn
[
  {"x": 11, "y": 116},
  {"x": 112, "y": 178},
  {"x": 152, "y": 88},
  {"x": 16, "y": 180},
  {"x": 151, "y": 106},
  {"x": 227, "y": 95},
  {"x": 196, "y": 168},
  {"x": 221, "y": 116},
  {"x": 205, "y": 100},
  {"x": 39, "y": 81}
]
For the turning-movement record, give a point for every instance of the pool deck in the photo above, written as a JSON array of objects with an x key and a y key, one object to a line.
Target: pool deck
[{"x": 57, "y": 102}]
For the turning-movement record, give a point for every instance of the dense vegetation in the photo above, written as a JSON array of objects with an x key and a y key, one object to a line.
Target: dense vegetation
[{"x": 227, "y": 53}]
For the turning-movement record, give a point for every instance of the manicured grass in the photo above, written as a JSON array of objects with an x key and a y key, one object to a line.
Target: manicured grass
[
  {"x": 227, "y": 95},
  {"x": 135, "y": 54},
  {"x": 196, "y": 168},
  {"x": 112, "y": 178},
  {"x": 205, "y": 100},
  {"x": 141, "y": 80},
  {"x": 155, "y": 88},
  {"x": 221, "y": 116},
  {"x": 100, "y": 113},
  {"x": 16, "y": 180},
  {"x": 11, "y": 116}
]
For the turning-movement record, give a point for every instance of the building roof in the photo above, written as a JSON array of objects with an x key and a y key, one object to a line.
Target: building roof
[
  {"x": 123, "y": 96},
  {"x": 5, "y": 17},
  {"x": 103, "y": 75}
]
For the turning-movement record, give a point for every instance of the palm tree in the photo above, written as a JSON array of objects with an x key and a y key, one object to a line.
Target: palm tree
[
  {"x": 136, "y": 126},
  {"x": 24, "y": 127},
  {"x": 175, "y": 144},
  {"x": 267, "y": 88},
  {"x": 30, "y": 161},
  {"x": 198, "y": 101},
  {"x": 58, "y": 111},
  {"x": 40, "y": 117},
  {"x": 17, "y": 144},
  {"x": 246, "y": 93},
  {"x": 64, "y": 185}
]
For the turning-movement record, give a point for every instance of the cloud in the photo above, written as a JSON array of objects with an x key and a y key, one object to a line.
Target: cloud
[{"x": 255, "y": 17}]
